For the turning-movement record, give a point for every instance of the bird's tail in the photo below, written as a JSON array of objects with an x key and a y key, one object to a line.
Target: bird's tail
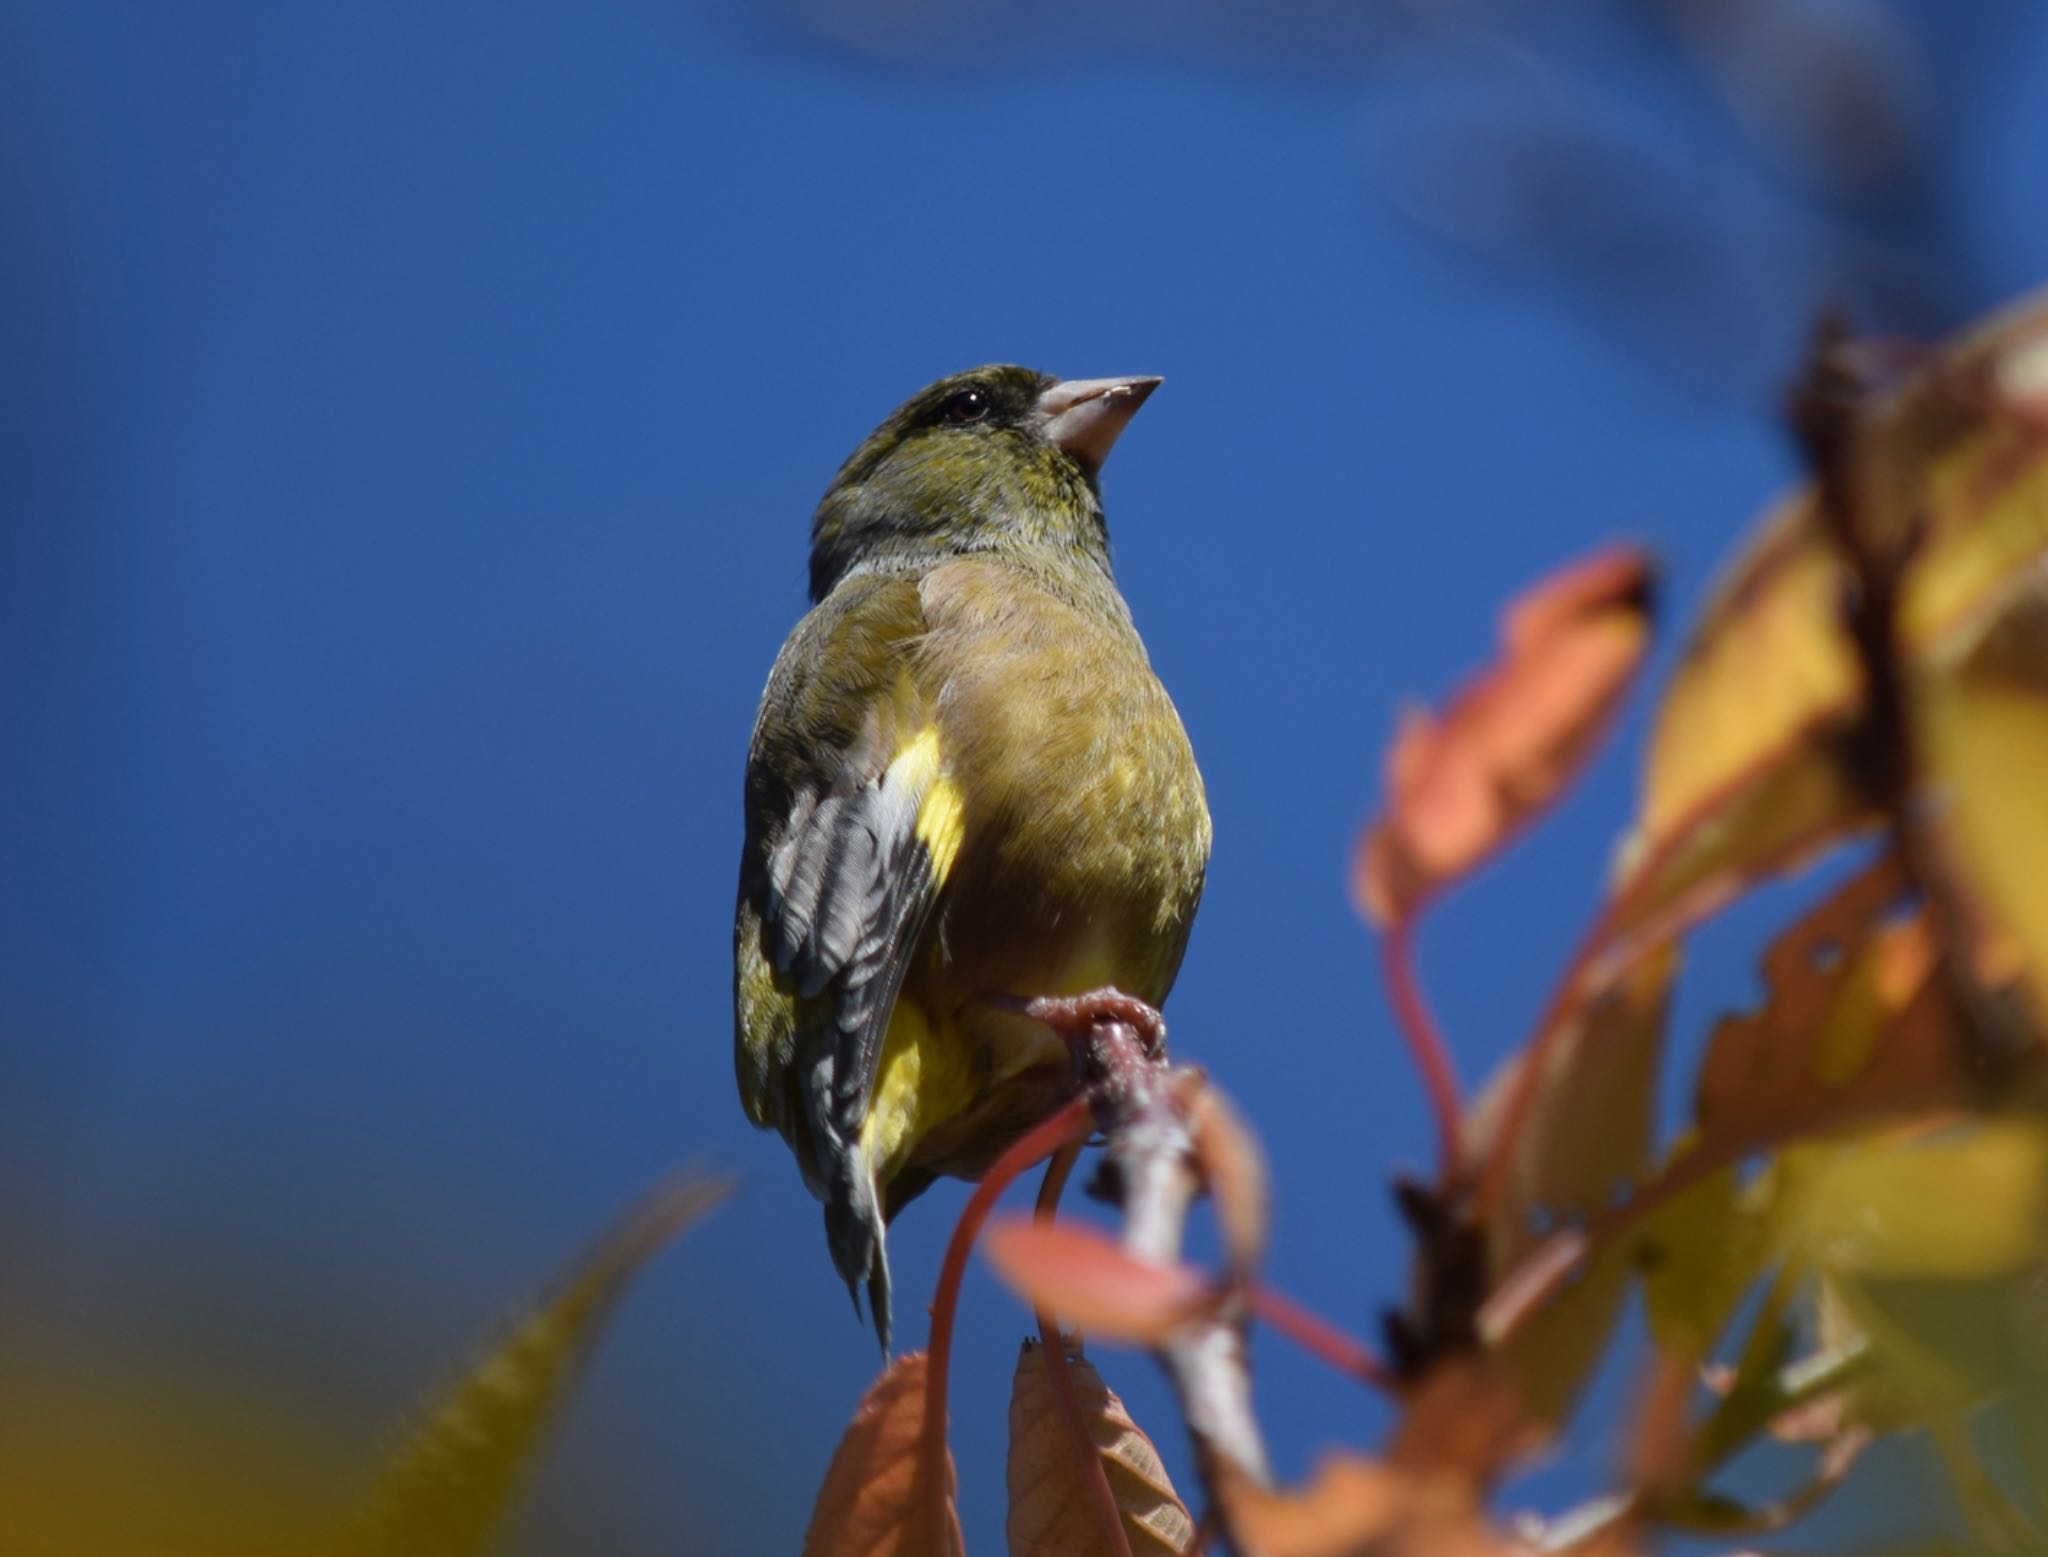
[{"x": 854, "y": 1230}]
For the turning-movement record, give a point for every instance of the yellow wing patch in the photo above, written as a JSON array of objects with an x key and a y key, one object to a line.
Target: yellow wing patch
[
  {"x": 941, "y": 814},
  {"x": 923, "y": 1075}
]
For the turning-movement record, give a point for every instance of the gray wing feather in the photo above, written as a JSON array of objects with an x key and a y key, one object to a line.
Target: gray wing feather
[{"x": 850, "y": 887}]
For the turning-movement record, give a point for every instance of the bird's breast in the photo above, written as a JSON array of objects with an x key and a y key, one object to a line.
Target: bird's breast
[{"x": 1087, "y": 830}]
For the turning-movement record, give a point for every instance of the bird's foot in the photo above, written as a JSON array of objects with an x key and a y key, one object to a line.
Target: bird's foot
[{"x": 1076, "y": 1017}]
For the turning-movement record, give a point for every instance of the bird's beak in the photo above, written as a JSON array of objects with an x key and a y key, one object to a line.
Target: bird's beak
[{"x": 1084, "y": 415}]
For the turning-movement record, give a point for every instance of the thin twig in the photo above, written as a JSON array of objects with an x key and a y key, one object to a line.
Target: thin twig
[
  {"x": 1054, "y": 1184},
  {"x": 1745, "y": 1413},
  {"x": 1725, "y": 1521}
]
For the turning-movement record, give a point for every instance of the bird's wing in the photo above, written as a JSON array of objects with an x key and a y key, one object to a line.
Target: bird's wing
[
  {"x": 850, "y": 884},
  {"x": 853, "y": 825}
]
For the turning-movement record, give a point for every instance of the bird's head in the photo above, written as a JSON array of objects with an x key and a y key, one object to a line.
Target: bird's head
[{"x": 994, "y": 459}]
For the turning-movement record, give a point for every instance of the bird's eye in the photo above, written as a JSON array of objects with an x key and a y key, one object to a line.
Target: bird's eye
[{"x": 964, "y": 406}]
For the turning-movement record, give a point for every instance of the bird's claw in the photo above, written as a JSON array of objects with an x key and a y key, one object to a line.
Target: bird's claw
[{"x": 1075, "y": 1017}]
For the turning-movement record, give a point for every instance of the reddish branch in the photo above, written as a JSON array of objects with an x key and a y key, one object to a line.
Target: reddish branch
[
  {"x": 1426, "y": 1046},
  {"x": 1070, "y": 1125},
  {"x": 1318, "y": 1337}
]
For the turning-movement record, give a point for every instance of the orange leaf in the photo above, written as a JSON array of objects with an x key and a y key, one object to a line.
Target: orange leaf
[
  {"x": 1466, "y": 1420},
  {"x": 875, "y": 1501},
  {"x": 1837, "y": 984},
  {"x": 1093, "y": 1284},
  {"x": 1051, "y": 1512},
  {"x": 1355, "y": 1507},
  {"x": 1459, "y": 785},
  {"x": 1856, "y": 1025}
]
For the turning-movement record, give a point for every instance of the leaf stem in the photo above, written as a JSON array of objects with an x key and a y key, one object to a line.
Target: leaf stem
[
  {"x": 1320, "y": 1338},
  {"x": 1068, "y": 1126},
  {"x": 1745, "y": 1413},
  {"x": 1425, "y": 1042}
]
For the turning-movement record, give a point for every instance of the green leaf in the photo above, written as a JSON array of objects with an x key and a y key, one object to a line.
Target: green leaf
[
  {"x": 1584, "y": 1142},
  {"x": 452, "y": 1485},
  {"x": 1933, "y": 1248},
  {"x": 1698, "y": 1253}
]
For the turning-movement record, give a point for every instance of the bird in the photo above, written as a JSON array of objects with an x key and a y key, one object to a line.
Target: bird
[{"x": 966, "y": 790}]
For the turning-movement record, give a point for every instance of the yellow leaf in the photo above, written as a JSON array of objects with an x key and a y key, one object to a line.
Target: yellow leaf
[
  {"x": 1965, "y": 1204},
  {"x": 1749, "y": 773},
  {"x": 450, "y": 1488},
  {"x": 1580, "y": 1142},
  {"x": 1931, "y": 1247},
  {"x": 1052, "y": 1512},
  {"x": 1987, "y": 742}
]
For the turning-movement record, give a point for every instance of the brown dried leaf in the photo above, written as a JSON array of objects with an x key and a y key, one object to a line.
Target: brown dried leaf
[
  {"x": 1051, "y": 1511},
  {"x": 875, "y": 1501},
  {"x": 1092, "y": 1284},
  {"x": 1856, "y": 1026},
  {"x": 1459, "y": 785}
]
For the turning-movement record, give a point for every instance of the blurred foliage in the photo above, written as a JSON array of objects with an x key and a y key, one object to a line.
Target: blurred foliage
[
  {"x": 1849, "y": 1237},
  {"x": 1803, "y": 152},
  {"x": 100, "y": 1455}
]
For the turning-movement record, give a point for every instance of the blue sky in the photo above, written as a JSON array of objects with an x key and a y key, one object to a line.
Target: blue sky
[{"x": 414, "y": 414}]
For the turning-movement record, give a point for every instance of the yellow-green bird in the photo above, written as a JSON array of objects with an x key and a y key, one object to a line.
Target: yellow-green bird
[{"x": 966, "y": 789}]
